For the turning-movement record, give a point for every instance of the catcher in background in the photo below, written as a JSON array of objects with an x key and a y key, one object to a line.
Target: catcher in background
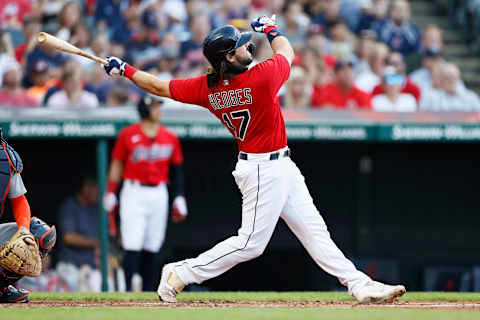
[
  {"x": 143, "y": 156},
  {"x": 22, "y": 244}
]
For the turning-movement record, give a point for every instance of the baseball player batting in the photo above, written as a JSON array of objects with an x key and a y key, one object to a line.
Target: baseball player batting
[
  {"x": 143, "y": 155},
  {"x": 22, "y": 244},
  {"x": 245, "y": 100}
]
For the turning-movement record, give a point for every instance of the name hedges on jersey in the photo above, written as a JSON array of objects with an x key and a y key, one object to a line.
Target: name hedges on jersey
[{"x": 230, "y": 98}]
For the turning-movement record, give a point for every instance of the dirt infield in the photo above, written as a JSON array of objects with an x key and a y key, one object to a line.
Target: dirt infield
[{"x": 279, "y": 304}]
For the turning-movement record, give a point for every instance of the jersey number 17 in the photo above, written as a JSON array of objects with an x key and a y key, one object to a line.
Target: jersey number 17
[{"x": 244, "y": 115}]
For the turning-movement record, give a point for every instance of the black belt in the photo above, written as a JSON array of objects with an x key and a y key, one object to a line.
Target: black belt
[
  {"x": 273, "y": 155},
  {"x": 145, "y": 184}
]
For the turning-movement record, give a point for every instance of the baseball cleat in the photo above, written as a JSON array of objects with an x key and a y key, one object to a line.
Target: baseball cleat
[
  {"x": 377, "y": 292},
  {"x": 170, "y": 284},
  {"x": 11, "y": 294}
]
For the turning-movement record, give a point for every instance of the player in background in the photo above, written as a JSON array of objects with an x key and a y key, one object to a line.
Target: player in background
[
  {"x": 246, "y": 102},
  {"x": 12, "y": 187},
  {"x": 143, "y": 156}
]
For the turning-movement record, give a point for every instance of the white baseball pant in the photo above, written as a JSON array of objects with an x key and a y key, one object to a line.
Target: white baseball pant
[
  {"x": 272, "y": 189},
  {"x": 143, "y": 216}
]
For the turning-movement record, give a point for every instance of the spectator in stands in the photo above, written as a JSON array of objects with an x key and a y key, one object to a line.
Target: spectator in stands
[
  {"x": 11, "y": 93},
  {"x": 40, "y": 77},
  {"x": 81, "y": 39},
  {"x": 351, "y": 11},
  {"x": 373, "y": 12},
  {"x": 199, "y": 27},
  {"x": 68, "y": 18},
  {"x": 121, "y": 19},
  {"x": 7, "y": 58},
  {"x": 118, "y": 96},
  {"x": 294, "y": 24},
  {"x": 363, "y": 50},
  {"x": 232, "y": 12},
  {"x": 49, "y": 11},
  {"x": 298, "y": 90},
  {"x": 450, "y": 96},
  {"x": 397, "y": 31},
  {"x": 109, "y": 14},
  {"x": 31, "y": 28},
  {"x": 169, "y": 59},
  {"x": 317, "y": 70},
  {"x": 13, "y": 12},
  {"x": 432, "y": 37},
  {"x": 342, "y": 40},
  {"x": 392, "y": 99},
  {"x": 54, "y": 58},
  {"x": 367, "y": 80},
  {"x": 144, "y": 48},
  {"x": 342, "y": 92},
  {"x": 79, "y": 226},
  {"x": 395, "y": 60},
  {"x": 329, "y": 12},
  {"x": 423, "y": 76},
  {"x": 100, "y": 46},
  {"x": 317, "y": 40},
  {"x": 72, "y": 93}
]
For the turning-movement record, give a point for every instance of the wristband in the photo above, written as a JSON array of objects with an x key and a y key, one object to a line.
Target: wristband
[
  {"x": 129, "y": 71},
  {"x": 272, "y": 33},
  {"x": 268, "y": 29},
  {"x": 112, "y": 186}
]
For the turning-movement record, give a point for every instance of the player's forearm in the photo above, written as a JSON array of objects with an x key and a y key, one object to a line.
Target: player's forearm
[
  {"x": 150, "y": 83},
  {"x": 116, "y": 170},
  {"x": 282, "y": 46},
  {"x": 178, "y": 179},
  {"x": 74, "y": 239},
  {"x": 21, "y": 211}
]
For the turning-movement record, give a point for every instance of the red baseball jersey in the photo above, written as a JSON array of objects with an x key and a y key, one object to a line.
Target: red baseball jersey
[
  {"x": 332, "y": 95},
  {"x": 147, "y": 160},
  {"x": 247, "y": 105}
]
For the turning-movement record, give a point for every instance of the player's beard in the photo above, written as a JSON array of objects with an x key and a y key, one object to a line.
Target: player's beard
[{"x": 242, "y": 65}]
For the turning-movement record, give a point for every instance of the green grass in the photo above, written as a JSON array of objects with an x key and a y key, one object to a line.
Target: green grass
[
  {"x": 248, "y": 296},
  {"x": 117, "y": 313},
  {"x": 232, "y": 313}
]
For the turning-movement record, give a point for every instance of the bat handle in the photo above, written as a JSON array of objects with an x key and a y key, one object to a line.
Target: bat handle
[{"x": 101, "y": 61}]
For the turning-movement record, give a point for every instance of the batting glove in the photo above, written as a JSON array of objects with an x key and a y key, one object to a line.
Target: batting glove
[
  {"x": 115, "y": 66},
  {"x": 179, "y": 209},
  {"x": 109, "y": 201},
  {"x": 262, "y": 23}
]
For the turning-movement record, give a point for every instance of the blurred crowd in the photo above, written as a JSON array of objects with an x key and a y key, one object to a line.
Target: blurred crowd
[{"x": 350, "y": 54}]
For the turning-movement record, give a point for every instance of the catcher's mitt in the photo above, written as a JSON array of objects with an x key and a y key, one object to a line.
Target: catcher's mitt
[{"x": 20, "y": 254}]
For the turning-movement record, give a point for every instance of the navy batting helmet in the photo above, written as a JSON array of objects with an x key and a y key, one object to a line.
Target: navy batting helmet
[
  {"x": 145, "y": 103},
  {"x": 221, "y": 41}
]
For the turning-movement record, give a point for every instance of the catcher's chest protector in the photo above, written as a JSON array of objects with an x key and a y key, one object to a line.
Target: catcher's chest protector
[{"x": 10, "y": 163}]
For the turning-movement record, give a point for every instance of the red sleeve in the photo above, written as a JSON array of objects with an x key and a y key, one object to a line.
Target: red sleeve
[
  {"x": 414, "y": 90},
  {"x": 19, "y": 51},
  {"x": 317, "y": 96},
  {"x": 120, "y": 151},
  {"x": 177, "y": 155},
  {"x": 273, "y": 72},
  {"x": 364, "y": 101},
  {"x": 188, "y": 90},
  {"x": 21, "y": 211},
  {"x": 377, "y": 90}
]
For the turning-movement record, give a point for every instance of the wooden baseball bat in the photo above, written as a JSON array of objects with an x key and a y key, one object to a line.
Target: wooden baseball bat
[{"x": 59, "y": 44}]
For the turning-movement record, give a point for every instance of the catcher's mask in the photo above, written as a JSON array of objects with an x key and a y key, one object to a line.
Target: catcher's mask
[{"x": 146, "y": 103}]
